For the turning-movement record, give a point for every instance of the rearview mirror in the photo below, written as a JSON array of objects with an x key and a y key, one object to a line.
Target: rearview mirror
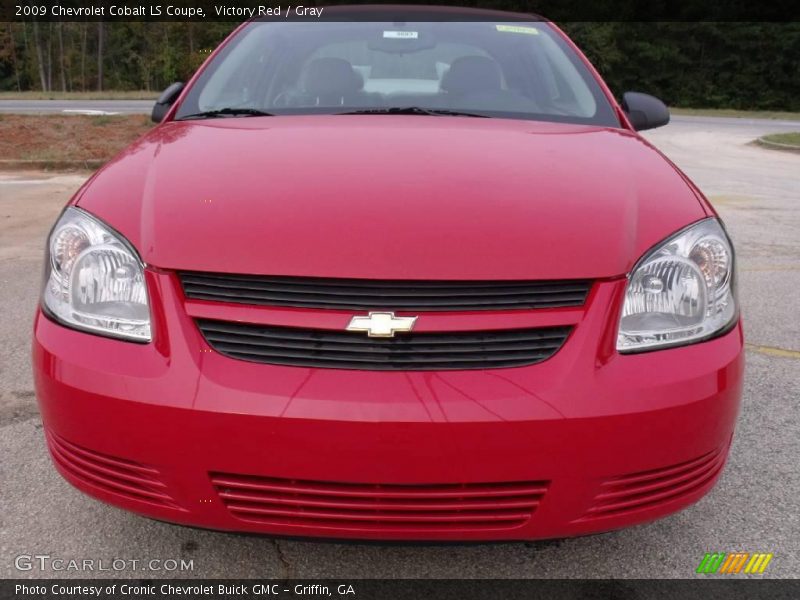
[
  {"x": 165, "y": 101},
  {"x": 644, "y": 111}
]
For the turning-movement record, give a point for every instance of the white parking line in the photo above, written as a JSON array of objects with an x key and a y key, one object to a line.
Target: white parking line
[
  {"x": 23, "y": 181},
  {"x": 92, "y": 113},
  {"x": 55, "y": 179}
]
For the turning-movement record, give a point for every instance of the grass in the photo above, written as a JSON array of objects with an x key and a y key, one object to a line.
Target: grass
[
  {"x": 62, "y": 138},
  {"x": 109, "y": 95},
  {"x": 741, "y": 114},
  {"x": 789, "y": 139}
]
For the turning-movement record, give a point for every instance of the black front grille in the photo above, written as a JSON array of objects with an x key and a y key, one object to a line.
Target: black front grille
[
  {"x": 362, "y": 294},
  {"x": 410, "y": 352}
]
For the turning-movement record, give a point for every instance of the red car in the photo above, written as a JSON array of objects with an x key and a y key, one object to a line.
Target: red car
[{"x": 394, "y": 275}]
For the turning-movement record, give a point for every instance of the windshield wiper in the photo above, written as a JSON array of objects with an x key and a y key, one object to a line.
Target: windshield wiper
[
  {"x": 227, "y": 112},
  {"x": 413, "y": 110}
]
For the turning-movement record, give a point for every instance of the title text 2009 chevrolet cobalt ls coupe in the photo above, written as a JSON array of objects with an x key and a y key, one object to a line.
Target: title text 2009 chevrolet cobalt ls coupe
[{"x": 398, "y": 278}]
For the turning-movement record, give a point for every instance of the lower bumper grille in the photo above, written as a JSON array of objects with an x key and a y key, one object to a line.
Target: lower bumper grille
[
  {"x": 110, "y": 474},
  {"x": 413, "y": 352},
  {"x": 471, "y": 506},
  {"x": 648, "y": 489}
]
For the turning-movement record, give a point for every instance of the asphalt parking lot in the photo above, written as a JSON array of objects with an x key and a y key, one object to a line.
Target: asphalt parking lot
[{"x": 755, "y": 507}]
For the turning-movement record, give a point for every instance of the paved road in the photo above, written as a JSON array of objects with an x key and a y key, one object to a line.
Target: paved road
[
  {"x": 755, "y": 507},
  {"x": 734, "y": 124}
]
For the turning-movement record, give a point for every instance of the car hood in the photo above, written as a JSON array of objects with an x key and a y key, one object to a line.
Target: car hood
[{"x": 392, "y": 197}]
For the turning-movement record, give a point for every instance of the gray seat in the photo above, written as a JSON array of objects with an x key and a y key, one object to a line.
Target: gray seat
[
  {"x": 332, "y": 82},
  {"x": 476, "y": 83},
  {"x": 472, "y": 75}
]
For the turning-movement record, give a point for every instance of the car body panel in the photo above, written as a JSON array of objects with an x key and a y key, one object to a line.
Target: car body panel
[{"x": 327, "y": 196}]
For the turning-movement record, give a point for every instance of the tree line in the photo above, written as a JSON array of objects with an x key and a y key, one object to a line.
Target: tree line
[
  {"x": 73, "y": 56},
  {"x": 703, "y": 64}
]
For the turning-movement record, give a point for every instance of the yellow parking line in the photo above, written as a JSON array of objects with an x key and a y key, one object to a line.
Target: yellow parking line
[{"x": 773, "y": 351}]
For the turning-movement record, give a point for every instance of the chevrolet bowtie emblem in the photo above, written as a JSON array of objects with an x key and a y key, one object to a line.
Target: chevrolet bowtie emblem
[{"x": 381, "y": 324}]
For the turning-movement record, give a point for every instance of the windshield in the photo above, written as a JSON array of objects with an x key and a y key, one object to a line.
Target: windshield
[{"x": 520, "y": 70}]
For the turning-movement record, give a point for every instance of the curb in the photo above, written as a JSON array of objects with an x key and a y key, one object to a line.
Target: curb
[
  {"x": 90, "y": 164},
  {"x": 778, "y": 146}
]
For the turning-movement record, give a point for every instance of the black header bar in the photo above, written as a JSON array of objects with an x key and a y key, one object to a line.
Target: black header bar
[
  {"x": 731, "y": 588},
  {"x": 241, "y": 10}
]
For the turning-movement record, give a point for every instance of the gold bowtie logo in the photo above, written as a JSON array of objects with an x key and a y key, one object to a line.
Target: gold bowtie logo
[{"x": 381, "y": 324}]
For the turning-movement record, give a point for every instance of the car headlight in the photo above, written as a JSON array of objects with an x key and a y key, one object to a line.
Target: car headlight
[
  {"x": 682, "y": 291},
  {"x": 94, "y": 280}
]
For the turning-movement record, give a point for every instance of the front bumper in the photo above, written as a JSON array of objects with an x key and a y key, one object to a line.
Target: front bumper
[{"x": 591, "y": 439}]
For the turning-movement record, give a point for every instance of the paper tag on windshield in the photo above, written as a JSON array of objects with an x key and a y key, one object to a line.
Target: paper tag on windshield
[
  {"x": 517, "y": 29},
  {"x": 401, "y": 35}
]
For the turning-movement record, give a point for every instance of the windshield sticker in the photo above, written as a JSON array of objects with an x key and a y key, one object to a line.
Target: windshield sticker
[
  {"x": 401, "y": 35},
  {"x": 517, "y": 29}
]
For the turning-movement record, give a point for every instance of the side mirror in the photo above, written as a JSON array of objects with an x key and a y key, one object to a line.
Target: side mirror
[
  {"x": 644, "y": 111},
  {"x": 165, "y": 101}
]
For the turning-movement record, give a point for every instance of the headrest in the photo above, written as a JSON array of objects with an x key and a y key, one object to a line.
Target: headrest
[
  {"x": 331, "y": 76},
  {"x": 472, "y": 74}
]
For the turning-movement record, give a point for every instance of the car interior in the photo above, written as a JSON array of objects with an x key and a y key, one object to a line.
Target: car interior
[
  {"x": 468, "y": 81},
  {"x": 478, "y": 68}
]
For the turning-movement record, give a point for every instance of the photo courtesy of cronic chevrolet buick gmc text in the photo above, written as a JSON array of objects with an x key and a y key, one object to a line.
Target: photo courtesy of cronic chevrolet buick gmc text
[{"x": 394, "y": 273}]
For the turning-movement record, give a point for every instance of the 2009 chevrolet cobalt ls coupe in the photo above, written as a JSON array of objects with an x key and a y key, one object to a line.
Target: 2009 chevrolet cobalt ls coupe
[{"x": 398, "y": 278}]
